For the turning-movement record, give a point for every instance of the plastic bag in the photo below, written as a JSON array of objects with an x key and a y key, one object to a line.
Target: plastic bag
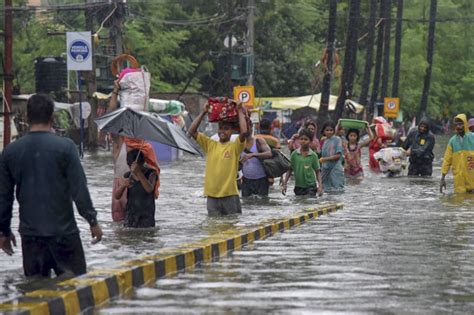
[
  {"x": 385, "y": 131},
  {"x": 135, "y": 88},
  {"x": 168, "y": 107},
  {"x": 379, "y": 120},
  {"x": 391, "y": 160}
]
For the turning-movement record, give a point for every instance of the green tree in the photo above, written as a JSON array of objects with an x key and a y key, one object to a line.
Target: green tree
[{"x": 287, "y": 46}]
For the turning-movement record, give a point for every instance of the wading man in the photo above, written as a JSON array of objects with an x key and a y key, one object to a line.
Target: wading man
[
  {"x": 47, "y": 175},
  {"x": 222, "y": 161},
  {"x": 459, "y": 155},
  {"x": 419, "y": 146}
]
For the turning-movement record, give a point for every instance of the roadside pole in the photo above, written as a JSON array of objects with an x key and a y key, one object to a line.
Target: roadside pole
[
  {"x": 81, "y": 119},
  {"x": 251, "y": 30},
  {"x": 79, "y": 58},
  {"x": 91, "y": 86},
  {"x": 8, "y": 71}
]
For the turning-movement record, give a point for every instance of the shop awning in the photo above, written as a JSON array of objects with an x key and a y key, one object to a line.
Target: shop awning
[{"x": 298, "y": 102}]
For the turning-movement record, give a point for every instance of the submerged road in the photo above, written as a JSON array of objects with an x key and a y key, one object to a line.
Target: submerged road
[{"x": 398, "y": 246}]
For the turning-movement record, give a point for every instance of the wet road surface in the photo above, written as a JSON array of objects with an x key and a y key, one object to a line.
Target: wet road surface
[{"x": 398, "y": 246}]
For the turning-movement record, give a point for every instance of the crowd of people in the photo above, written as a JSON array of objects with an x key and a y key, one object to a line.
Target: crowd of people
[
  {"x": 45, "y": 173},
  {"x": 322, "y": 164}
]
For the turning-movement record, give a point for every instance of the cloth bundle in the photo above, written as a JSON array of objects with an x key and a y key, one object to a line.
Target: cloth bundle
[
  {"x": 383, "y": 129},
  {"x": 222, "y": 109},
  {"x": 391, "y": 160},
  {"x": 135, "y": 88}
]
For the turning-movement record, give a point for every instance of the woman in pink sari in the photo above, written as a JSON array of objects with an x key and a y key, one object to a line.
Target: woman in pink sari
[{"x": 353, "y": 153}]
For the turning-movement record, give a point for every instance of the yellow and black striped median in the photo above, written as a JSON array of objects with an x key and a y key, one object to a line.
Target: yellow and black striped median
[{"x": 100, "y": 285}]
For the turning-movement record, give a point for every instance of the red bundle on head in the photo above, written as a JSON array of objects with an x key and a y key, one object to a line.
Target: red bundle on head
[{"x": 222, "y": 109}]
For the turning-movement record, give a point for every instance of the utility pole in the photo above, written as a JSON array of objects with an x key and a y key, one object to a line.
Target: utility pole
[
  {"x": 8, "y": 71},
  {"x": 91, "y": 85},
  {"x": 115, "y": 30},
  {"x": 251, "y": 29}
]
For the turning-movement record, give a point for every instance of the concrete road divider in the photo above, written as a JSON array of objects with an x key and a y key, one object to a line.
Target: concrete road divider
[{"x": 98, "y": 286}]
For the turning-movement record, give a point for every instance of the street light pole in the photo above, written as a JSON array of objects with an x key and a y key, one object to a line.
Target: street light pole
[{"x": 8, "y": 71}]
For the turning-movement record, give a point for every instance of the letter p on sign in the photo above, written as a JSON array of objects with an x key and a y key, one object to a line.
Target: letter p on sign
[{"x": 245, "y": 94}]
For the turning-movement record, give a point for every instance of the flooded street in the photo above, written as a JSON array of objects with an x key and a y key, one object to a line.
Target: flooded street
[{"x": 397, "y": 246}]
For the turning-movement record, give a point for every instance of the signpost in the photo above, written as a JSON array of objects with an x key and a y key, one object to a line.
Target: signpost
[
  {"x": 245, "y": 94},
  {"x": 391, "y": 107},
  {"x": 79, "y": 58}
]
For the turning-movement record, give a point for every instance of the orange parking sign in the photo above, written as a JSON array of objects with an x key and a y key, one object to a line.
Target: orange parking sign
[
  {"x": 391, "y": 107},
  {"x": 245, "y": 94}
]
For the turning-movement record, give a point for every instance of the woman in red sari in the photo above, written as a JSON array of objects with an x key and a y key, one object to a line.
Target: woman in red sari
[{"x": 374, "y": 146}]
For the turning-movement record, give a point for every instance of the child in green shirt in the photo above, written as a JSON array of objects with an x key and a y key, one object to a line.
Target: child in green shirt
[{"x": 305, "y": 165}]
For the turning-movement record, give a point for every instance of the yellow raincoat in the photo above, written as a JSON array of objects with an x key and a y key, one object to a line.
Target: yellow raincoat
[{"x": 459, "y": 155}]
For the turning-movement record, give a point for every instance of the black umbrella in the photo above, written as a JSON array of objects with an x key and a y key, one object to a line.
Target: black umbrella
[{"x": 148, "y": 126}]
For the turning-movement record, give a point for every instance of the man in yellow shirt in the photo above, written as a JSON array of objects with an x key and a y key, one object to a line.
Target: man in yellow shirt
[
  {"x": 222, "y": 161},
  {"x": 459, "y": 156}
]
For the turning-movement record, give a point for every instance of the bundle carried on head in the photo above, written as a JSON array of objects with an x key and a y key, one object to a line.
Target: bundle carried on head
[
  {"x": 383, "y": 129},
  {"x": 117, "y": 62},
  {"x": 222, "y": 109},
  {"x": 134, "y": 82}
]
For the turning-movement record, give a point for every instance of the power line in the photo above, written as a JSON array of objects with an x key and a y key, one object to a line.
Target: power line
[
  {"x": 211, "y": 21},
  {"x": 59, "y": 7}
]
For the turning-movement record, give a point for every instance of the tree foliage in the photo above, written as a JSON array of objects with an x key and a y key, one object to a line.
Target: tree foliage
[{"x": 172, "y": 38}]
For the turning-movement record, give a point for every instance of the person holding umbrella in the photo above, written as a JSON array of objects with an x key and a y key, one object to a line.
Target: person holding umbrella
[
  {"x": 127, "y": 123},
  {"x": 222, "y": 160},
  {"x": 141, "y": 184}
]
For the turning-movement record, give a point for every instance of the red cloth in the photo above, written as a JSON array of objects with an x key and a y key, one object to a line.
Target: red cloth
[
  {"x": 374, "y": 147},
  {"x": 222, "y": 109},
  {"x": 150, "y": 158}
]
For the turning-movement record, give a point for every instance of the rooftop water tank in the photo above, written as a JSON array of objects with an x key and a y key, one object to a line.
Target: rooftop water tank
[{"x": 50, "y": 74}]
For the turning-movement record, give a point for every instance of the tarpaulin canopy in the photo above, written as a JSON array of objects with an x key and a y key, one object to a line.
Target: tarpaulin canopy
[{"x": 312, "y": 101}]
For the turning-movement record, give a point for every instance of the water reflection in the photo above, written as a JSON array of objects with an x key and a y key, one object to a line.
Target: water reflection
[
  {"x": 398, "y": 246},
  {"x": 458, "y": 200},
  {"x": 130, "y": 237}
]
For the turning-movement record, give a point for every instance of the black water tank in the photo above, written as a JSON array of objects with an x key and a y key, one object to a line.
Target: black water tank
[{"x": 50, "y": 74}]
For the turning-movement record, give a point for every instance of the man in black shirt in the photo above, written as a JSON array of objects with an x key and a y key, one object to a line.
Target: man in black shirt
[
  {"x": 419, "y": 145},
  {"x": 46, "y": 171}
]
